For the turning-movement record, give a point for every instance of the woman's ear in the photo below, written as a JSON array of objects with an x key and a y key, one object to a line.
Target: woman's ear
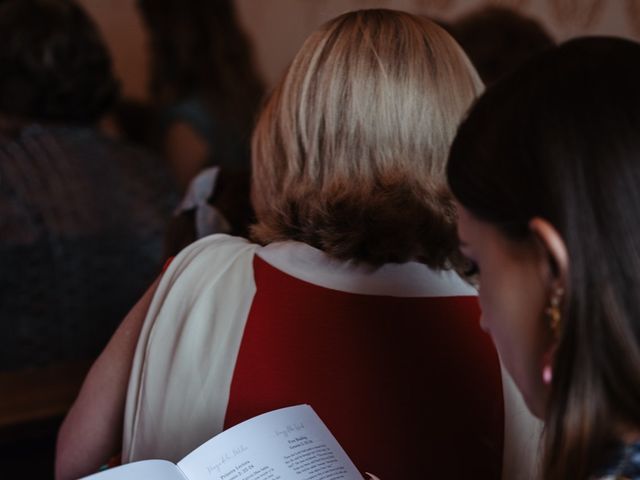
[
  {"x": 554, "y": 267},
  {"x": 554, "y": 249}
]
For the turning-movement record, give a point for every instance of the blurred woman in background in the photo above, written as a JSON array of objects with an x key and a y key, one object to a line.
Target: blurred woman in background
[
  {"x": 203, "y": 82},
  {"x": 206, "y": 92}
]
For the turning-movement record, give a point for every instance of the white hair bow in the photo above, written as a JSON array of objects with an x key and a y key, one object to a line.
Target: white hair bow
[{"x": 208, "y": 219}]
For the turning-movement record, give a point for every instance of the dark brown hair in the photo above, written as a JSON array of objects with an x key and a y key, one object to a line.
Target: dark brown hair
[
  {"x": 498, "y": 39},
  {"x": 54, "y": 67},
  {"x": 559, "y": 139},
  {"x": 198, "y": 47}
]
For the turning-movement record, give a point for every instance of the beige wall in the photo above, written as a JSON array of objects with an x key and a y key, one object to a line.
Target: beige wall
[
  {"x": 123, "y": 31},
  {"x": 278, "y": 27}
]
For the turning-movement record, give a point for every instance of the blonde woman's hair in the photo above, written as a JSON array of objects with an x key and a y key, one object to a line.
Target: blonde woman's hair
[{"x": 349, "y": 152}]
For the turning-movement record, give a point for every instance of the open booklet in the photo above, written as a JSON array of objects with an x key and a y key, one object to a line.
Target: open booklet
[{"x": 287, "y": 444}]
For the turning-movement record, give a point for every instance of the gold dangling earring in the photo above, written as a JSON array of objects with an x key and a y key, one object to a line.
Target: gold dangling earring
[
  {"x": 554, "y": 316},
  {"x": 553, "y": 312}
]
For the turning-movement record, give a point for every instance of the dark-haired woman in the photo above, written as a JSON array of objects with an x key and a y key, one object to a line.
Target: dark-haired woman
[
  {"x": 204, "y": 83},
  {"x": 546, "y": 169}
]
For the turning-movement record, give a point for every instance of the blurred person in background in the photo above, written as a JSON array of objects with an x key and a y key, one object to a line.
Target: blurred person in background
[
  {"x": 206, "y": 92},
  {"x": 81, "y": 216},
  {"x": 498, "y": 39},
  {"x": 203, "y": 82}
]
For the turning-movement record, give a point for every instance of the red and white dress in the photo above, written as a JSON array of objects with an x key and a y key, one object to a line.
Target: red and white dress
[{"x": 392, "y": 359}]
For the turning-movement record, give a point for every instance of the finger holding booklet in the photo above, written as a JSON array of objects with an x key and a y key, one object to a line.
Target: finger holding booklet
[{"x": 285, "y": 444}]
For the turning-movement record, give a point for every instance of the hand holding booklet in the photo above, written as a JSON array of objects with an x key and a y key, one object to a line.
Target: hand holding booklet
[{"x": 286, "y": 444}]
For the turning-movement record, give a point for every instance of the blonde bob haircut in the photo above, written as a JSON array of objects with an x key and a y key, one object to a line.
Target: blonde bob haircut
[{"x": 349, "y": 151}]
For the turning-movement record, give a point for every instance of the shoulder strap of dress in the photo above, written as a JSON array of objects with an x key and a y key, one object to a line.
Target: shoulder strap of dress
[{"x": 192, "y": 331}]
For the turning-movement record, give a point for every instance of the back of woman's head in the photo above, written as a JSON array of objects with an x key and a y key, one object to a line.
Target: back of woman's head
[
  {"x": 559, "y": 139},
  {"x": 54, "y": 66},
  {"x": 498, "y": 39},
  {"x": 349, "y": 152}
]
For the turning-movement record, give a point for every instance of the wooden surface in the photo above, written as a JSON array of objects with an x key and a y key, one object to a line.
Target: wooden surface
[
  {"x": 38, "y": 395},
  {"x": 33, "y": 403}
]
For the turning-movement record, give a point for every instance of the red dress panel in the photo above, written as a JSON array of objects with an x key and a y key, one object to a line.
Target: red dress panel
[{"x": 410, "y": 387}]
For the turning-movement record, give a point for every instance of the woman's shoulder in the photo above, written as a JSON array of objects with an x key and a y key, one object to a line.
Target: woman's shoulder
[{"x": 211, "y": 253}]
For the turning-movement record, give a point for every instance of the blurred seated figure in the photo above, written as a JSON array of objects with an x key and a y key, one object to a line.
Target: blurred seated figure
[
  {"x": 347, "y": 298},
  {"x": 203, "y": 84},
  {"x": 499, "y": 39},
  {"x": 205, "y": 91},
  {"x": 81, "y": 216}
]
